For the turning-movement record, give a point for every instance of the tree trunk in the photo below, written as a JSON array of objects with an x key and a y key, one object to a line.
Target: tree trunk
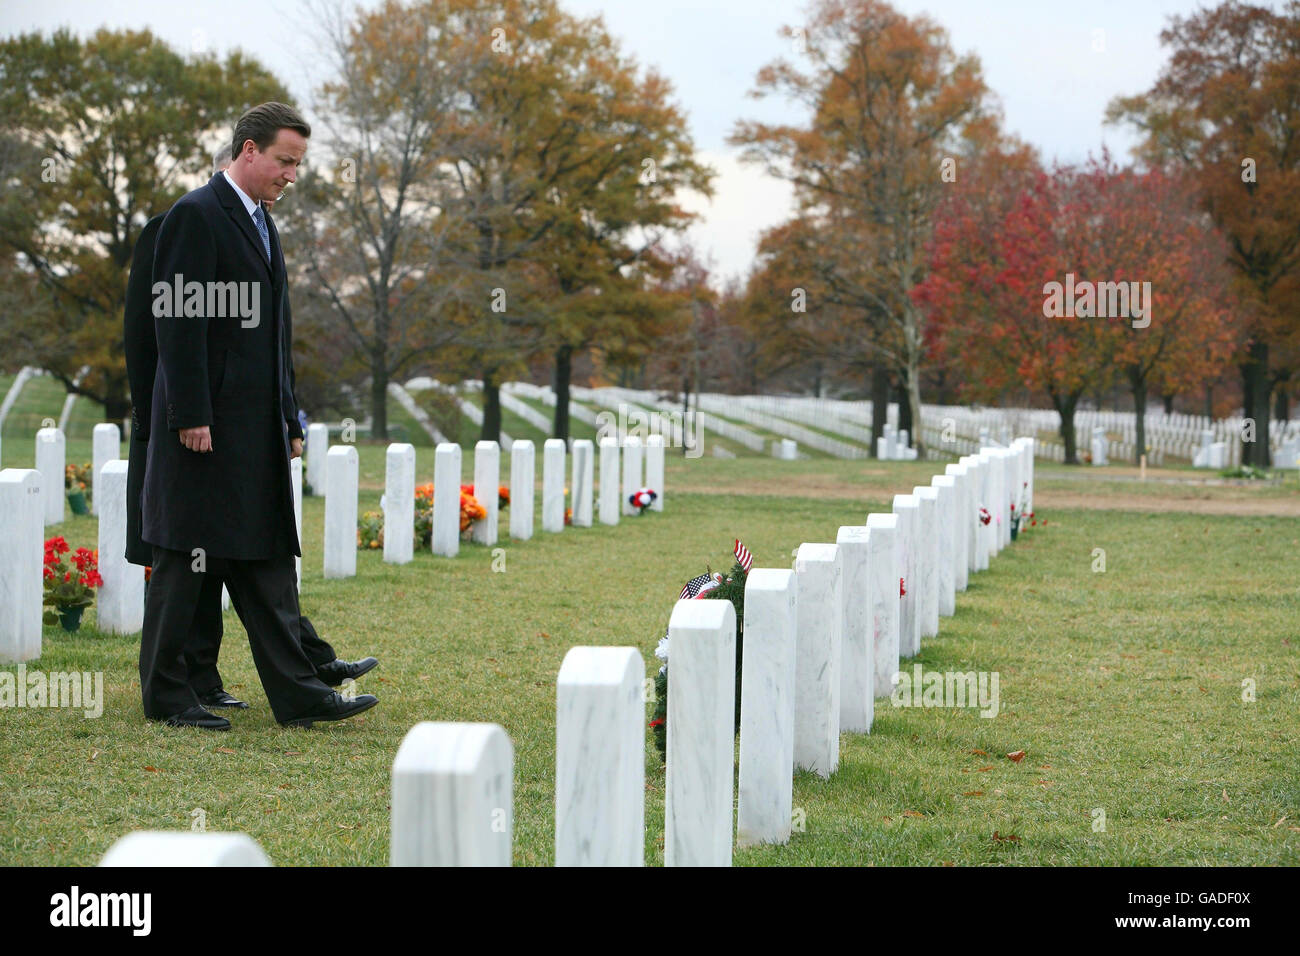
[
  {"x": 879, "y": 403},
  {"x": 1254, "y": 391},
  {"x": 914, "y": 402},
  {"x": 491, "y": 430},
  {"x": 904, "y": 413},
  {"x": 1209, "y": 401},
  {"x": 1169, "y": 404},
  {"x": 378, "y": 398},
  {"x": 1282, "y": 405},
  {"x": 117, "y": 406},
  {"x": 1065, "y": 406},
  {"x": 686, "y": 411},
  {"x": 563, "y": 376},
  {"x": 1139, "y": 419}
]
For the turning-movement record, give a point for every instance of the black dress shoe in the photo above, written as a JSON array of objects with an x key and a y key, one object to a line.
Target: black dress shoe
[
  {"x": 219, "y": 698},
  {"x": 337, "y": 671},
  {"x": 334, "y": 707},
  {"x": 197, "y": 717}
]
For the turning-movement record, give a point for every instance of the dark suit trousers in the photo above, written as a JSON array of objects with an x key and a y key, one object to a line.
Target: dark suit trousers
[
  {"x": 265, "y": 596},
  {"x": 204, "y": 645}
]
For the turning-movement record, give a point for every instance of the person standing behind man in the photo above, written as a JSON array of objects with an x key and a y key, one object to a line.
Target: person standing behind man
[
  {"x": 141, "y": 350},
  {"x": 217, "y": 497}
]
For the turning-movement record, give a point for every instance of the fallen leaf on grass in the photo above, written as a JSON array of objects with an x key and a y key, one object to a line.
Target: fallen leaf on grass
[
  {"x": 1279, "y": 822},
  {"x": 1044, "y": 766},
  {"x": 286, "y": 786},
  {"x": 224, "y": 750},
  {"x": 94, "y": 752},
  {"x": 152, "y": 769},
  {"x": 1004, "y": 839},
  {"x": 912, "y": 813},
  {"x": 1225, "y": 796},
  {"x": 1016, "y": 756},
  {"x": 981, "y": 753},
  {"x": 984, "y": 769},
  {"x": 1045, "y": 783},
  {"x": 293, "y": 753},
  {"x": 973, "y": 793},
  {"x": 1131, "y": 657},
  {"x": 347, "y": 826}
]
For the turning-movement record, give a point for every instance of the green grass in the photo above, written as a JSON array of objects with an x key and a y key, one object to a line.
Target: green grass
[{"x": 1123, "y": 687}]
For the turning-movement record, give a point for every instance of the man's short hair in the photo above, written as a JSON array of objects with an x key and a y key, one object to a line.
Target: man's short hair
[{"x": 262, "y": 123}]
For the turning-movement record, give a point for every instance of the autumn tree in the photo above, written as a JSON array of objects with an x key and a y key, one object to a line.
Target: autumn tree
[
  {"x": 113, "y": 129},
  {"x": 1224, "y": 110},
  {"x": 892, "y": 109}
]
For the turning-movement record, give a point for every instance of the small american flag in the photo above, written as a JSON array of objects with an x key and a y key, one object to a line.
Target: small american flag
[
  {"x": 743, "y": 556},
  {"x": 697, "y": 586}
]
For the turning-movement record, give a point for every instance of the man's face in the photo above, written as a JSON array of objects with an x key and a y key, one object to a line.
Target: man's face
[{"x": 267, "y": 172}]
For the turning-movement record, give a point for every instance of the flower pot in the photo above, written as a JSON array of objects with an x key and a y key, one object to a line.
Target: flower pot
[
  {"x": 1015, "y": 528},
  {"x": 70, "y": 617},
  {"x": 77, "y": 502}
]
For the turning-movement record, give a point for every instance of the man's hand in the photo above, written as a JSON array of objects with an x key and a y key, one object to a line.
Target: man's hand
[
  {"x": 197, "y": 439},
  {"x": 295, "y": 448}
]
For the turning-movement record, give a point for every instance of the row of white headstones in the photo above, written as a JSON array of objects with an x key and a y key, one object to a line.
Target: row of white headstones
[
  {"x": 823, "y": 641},
  {"x": 31, "y": 499}
]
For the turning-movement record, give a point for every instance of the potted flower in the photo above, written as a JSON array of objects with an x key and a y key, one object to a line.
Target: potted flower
[
  {"x": 370, "y": 530},
  {"x": 77, "y": 482},
  {"x": 69, "y": 587},
  {"x": 642, "y": 499}
]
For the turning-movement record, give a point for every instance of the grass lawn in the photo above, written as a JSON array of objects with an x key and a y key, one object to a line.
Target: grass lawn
[{"x": 1124, "y": 688}]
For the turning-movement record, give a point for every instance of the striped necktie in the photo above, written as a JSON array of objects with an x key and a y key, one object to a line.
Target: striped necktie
[{"x": 259, "y": 217}]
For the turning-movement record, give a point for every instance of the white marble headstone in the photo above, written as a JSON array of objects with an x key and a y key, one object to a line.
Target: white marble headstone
[
  {"x": 553, "y": 485},
  {"x": 819, "y": 580},
  {"x": 21, "y": 554},
  {"x": 51, "y": 462},
  {"x": 399, "y": 503},
  {"x": 522, "y": 478},
  {"x": 341, "y": 511},
  {"x": 582, "y": 486},
  {"x": 907, "y": 508},
  {"x": 948, "y": 512},
  {"x": 106, "y": 446},
  {"x": 600, "y": 757},
  {"x": 883, "y": 565},
  {"x": 928, "y": 557},
  {"x": 487, "y": 481},
  {"x": 767, "y": 708},
  {"x": 446, "y": 499},
  {"x": 857, "y": 651},
  {"x": 701, "y": 733},
  {"x": 169, "y": 848},
  {"x": 119, "y": 605},
  {"x": 961, "y": 520},
  {"x": 609, "y": 482},
  {"x": 318, "y": 446},
  {"x": 453, "y": 796}
]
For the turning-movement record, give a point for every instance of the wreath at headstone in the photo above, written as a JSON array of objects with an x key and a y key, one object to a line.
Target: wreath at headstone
[{"x": 710, "y": 585}]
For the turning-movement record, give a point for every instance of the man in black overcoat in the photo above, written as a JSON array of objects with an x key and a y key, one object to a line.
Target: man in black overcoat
[
  {"x": 141, "y": 348},
  {"x": 216, "y": 492}
]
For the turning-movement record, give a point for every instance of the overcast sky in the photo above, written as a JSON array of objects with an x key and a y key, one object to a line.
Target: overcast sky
[{"x": 1053, "y": 65}]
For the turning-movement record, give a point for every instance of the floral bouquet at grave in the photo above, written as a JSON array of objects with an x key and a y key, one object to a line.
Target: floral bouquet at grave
[
  {"x": 707, "y": 585},
  {"x": 984, "y": 515},
  {"x": 1019, "y": 515},
  {"x": 77, "y": 481},
  {"x": 69, "y": 587},
  {"x": 503, "y": 498},
  {"x": 370, "y": 530},
  {"x": 470, "y": 509},
  {"x": 642, "y": 499}
]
